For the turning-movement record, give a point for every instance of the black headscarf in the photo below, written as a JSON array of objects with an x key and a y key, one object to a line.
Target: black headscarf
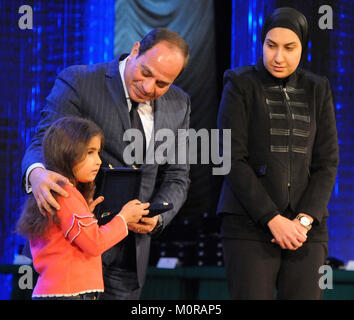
[{"x": 287, "y": 18}]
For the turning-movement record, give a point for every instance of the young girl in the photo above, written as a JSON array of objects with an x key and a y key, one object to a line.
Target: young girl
[{"x": 67, "y": 246}]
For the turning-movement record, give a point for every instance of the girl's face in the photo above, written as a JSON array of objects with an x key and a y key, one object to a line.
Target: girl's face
[
  {"x": 281, "y": 52},
  {"x": 86, "y": 170}
]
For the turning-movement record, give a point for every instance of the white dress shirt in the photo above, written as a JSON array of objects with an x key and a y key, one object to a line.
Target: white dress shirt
[{"x": 145, "y": 109}]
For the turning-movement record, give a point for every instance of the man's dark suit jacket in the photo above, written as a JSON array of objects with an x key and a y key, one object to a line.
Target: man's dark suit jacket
[{"x": 96, "y": 92}]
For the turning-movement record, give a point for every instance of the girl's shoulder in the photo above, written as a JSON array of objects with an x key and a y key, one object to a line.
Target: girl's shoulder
[{"x": 74, "y": 196}]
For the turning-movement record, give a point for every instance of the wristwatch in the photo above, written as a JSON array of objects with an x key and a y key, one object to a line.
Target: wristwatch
[{"x": 305, "y": 221}]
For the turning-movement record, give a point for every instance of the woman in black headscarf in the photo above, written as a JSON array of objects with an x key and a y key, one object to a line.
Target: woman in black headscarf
[{"x": 284, "y": 154}]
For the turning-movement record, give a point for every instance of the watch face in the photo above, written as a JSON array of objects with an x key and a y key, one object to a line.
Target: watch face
[{"x": 305, "y": 221}]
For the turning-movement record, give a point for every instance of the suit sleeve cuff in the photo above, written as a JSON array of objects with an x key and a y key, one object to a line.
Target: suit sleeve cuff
[
  {"x": 266, "y": 218},
  {"x": 28, "y": 186},
  {"x": 125, "y": 223},
  {"x": 316, "y": 221},
  {"x": 158, "y": 227}
]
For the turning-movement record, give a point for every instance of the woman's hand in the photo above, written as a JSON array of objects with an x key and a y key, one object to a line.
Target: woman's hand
[{"x": 289, "y": 234}]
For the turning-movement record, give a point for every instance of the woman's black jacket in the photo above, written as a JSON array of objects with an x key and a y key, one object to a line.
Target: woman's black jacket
[{"x": 284, "y": 148}]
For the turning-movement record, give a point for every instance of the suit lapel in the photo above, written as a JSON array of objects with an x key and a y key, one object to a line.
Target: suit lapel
[
  {"x": 158, "y": 115},
  {"x": 159, "y": 123},
  {"x": 115, "y": 88}
]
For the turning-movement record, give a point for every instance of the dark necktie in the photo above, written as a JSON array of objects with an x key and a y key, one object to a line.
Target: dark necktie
[{"x": 136, "y": 123}]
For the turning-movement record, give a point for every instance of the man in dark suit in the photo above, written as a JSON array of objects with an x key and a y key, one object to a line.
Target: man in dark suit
[{"x": 106, "y": 94}]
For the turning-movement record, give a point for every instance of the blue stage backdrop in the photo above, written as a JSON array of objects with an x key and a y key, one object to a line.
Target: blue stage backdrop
[
  {"x": 64, "y": 33},
  {"x": 341, "y": 48},
  {"x": 82, "y": 32}
]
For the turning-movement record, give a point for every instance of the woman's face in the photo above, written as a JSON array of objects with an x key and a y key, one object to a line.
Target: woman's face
[{"x": 281, "y": 52}]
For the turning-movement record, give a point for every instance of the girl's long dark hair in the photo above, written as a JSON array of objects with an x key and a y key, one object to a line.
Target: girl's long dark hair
[{"x": 64, "y": 145}]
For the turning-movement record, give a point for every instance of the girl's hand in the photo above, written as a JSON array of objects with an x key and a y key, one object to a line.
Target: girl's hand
[
  {"x": 133, "y": 211},
  {"x": 93, "y": 203}
]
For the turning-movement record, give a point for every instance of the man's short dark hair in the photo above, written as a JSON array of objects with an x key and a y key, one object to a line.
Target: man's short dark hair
[{"x": 161, "y": 34}]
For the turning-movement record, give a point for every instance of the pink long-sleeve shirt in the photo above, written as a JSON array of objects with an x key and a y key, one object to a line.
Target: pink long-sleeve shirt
[{"x": 68, "y": 256}]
